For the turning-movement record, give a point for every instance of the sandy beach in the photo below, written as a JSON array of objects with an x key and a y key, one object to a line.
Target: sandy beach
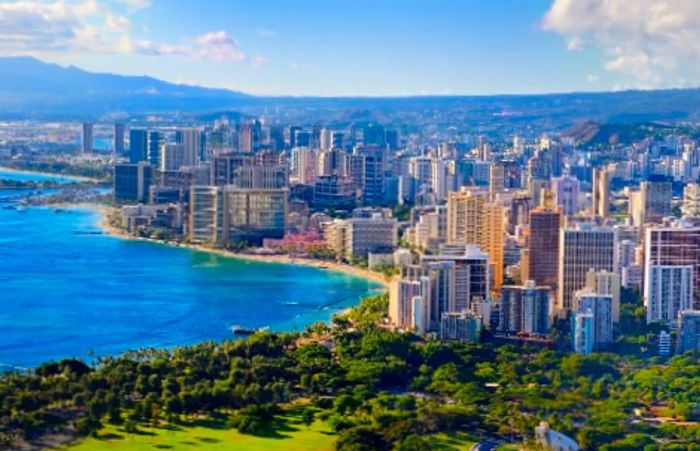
[{"x": 281, "y": 259}]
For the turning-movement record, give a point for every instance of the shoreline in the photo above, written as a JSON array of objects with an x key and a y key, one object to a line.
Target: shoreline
[
  {"x": 362, "y": 273},
  {"x": 79, "y": 178}
]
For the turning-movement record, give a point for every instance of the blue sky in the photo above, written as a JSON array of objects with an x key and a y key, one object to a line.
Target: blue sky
[{"x": 361, "y": 47}]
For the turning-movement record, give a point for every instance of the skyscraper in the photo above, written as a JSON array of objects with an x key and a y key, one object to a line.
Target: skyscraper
[
  {"x": 138, "y": 146},
  {"x": 132, "y": 181},
  {"x": 119, "y": 130},
  {"x": 154, "y": 141},
  {"x": 606, "y": 283},
  {"x": 582, "y": 332},
  {"x": 668, "y": 290},
  {"x": 86, "y": 139},
  {"x": 656, "y": 200},
  {"x": 581, "y": 249},
  {"x": 678, "y": 245},
  {"x": 191, "y": 141},
  {"x": 600, "y": 198},
  {"x": 566, "y": 193},
  {"x": 372, "y": 160},
  {"x": 543, "y": 255},
  {"x": 472, "y": 220},
  {"x": 600, "y": 305},
  {"x": 524, "y": 309}
]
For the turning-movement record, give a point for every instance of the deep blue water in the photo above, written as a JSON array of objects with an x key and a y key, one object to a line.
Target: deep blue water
[{"x": 67, "y": 292}]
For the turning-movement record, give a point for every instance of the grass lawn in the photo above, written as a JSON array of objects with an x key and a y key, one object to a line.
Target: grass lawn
[{"x": 288, "y": 433}]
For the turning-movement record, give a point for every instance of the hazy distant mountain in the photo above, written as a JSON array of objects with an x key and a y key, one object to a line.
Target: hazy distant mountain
[{"x": 31, "y": 87}]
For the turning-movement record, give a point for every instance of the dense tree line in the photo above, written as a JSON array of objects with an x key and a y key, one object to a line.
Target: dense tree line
[{"x": 378, "y": 389}]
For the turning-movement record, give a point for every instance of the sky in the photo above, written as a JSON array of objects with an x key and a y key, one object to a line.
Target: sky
[{"x": 369, "y": 47}]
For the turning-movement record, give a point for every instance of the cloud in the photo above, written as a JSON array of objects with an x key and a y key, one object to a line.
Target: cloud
[
  {"x": 574, "y": 44},
  {"x": 649, "y": 43},
  {"x": 593, "y": 78},
  {"x": 219, "y": 46},
  {"x": 136, "y": 5},
  {"x": 63, "y": 28}
]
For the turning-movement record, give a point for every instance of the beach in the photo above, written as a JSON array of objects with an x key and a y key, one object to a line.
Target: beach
[{"x": 104, "y": 213}]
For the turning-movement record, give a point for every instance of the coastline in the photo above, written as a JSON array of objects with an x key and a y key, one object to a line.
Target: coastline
[
  {"x": 362, "y": 273},
  {"x": 79, "y": 178}
]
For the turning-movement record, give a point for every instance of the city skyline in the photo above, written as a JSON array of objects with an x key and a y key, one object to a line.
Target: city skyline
[{"x": 367, "y": 49}]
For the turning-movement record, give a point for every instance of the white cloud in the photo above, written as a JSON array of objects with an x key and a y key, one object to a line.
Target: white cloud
[
  {"x": 653, "y": 43},
  {"x": 136, "y": 5},
  {"x": 62, "y": 28},
  {"x": 593, "y": 78},
  {"x": 574, "y": 44}
]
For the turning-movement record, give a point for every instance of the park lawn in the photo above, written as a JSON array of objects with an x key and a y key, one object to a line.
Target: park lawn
[
  {"x": 454, "y": 441},
  {"x": 287, "y": 433}
]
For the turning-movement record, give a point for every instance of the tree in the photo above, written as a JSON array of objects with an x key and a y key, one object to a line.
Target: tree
[{"x": 361, "y": 438}]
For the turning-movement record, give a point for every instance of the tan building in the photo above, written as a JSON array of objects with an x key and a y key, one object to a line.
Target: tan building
[
  {"x": 606, "y": 283},
  {"x": 473, "y": 220},
  {"x": 357, "y": 237},
  {"x": 600, "y": 199}
]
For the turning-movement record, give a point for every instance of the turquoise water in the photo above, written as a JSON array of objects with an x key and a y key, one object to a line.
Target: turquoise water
[{"x": 67, "y": 291}]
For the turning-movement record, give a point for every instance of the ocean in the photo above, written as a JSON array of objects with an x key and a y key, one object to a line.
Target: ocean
[{"x": 67, "y": 290}]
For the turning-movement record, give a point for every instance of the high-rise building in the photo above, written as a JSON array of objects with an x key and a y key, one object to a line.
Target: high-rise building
[
  {"x": 357, "y": 237},
  {"x": 600, "y": 199},
  {"x": 333, "y": 191},
  {"x": 688, "y": 331},
  {"x": 304, "y": 165},
  {"x": 471, "y": 276},
  {"x": 461, "y": 326},
  {"x": 566, "y": 194},
  {"x": 326, "y": 139},
  {"x": 206, "y": 216},
  {"x": 600, "y": 305},
  {"x": 373, "y": 164},
  {"x": 154, "y": 141},
  {"x": 132, "y": 181},
  {"x": 582, "y": 249},
  {"x": 333, "y": 162},
  {"x": 138, "y": 146},
  {"x": 172, "y": 157},
  {"x": 118, "y": 145},
  {"x": 86, "y": 139},
  {"x": 406, "y": 303},
  {"x": 606, "y": 283},
  {"x": 253, "y": 214},
  {"x": 582, "y": 332},
  {"x": 543, "y": 254},
  {"x": 438, "y": 296},
  {"x": 668, "y": 290},
  {"x": 656, "y": 199},
  {"x": 472, "y": 220},
  {"x": 524, "y": 309},
  {"x": 428, "y": 174},
  {"x": 691, "y": 200},
  {"x": 191, "y": 141},
  {"x": 677, "y": 245},
  {"x": 496, "y": 180}
]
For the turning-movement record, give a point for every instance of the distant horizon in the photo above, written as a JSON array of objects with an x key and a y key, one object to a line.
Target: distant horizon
[{"x": 69, "y": 65}]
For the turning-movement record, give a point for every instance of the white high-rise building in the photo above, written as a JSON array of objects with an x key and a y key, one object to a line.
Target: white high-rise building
[
  {"x": 668, "y": 290},
  {"x": 566, "y": 194},
  {"x": 600, "y": 305}
]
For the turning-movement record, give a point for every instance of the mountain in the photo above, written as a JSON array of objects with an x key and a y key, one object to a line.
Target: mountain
[
  {"x": 33, "y": 88},
  {"x": 30, "y": 88}
]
